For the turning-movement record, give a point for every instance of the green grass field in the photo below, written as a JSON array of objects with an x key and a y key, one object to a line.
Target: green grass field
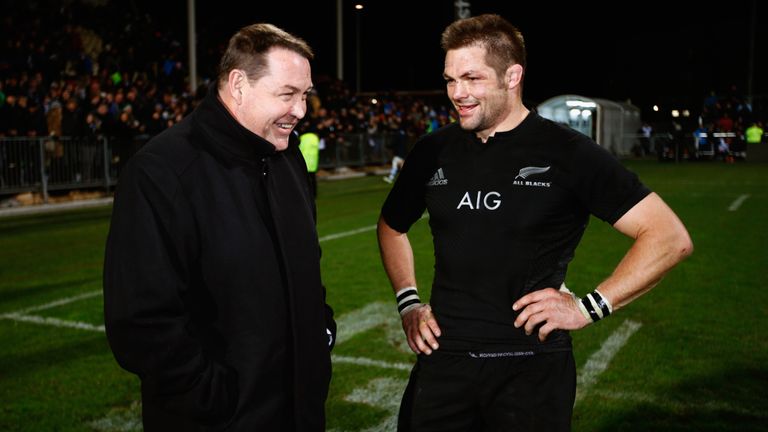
[{"x": 690, "y": 355}]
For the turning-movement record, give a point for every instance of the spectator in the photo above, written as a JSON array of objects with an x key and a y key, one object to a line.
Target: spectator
[
  {"x": 645, "y": 139},
  {"x": 399, "y": 151},
  {"x": 754, "y": 134},
  {"x": 703, "y": 141},
  {"x": 309, "y": 144}
]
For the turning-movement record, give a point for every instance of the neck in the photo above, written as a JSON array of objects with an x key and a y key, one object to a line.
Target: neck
[
  {"x": 228, "y": 103},
  {"x": 517, "y": 113}
]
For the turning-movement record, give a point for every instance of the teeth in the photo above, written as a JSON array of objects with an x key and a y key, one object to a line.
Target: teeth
[{"x": 285, "y": 125}]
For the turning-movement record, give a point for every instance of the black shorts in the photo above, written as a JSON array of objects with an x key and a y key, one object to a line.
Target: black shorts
[{"x": 451, "y": 392}]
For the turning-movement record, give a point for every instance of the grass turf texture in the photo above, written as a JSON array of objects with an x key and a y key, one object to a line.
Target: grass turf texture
[{"x": 698, "y": 361}]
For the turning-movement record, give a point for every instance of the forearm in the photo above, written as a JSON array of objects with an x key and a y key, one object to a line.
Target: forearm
[
  {"x": 419, "y": 324},
  {"x": 661, "y": 241},
  {"x": 658, "y": 247},
  {"x": 396, "y": 256}
]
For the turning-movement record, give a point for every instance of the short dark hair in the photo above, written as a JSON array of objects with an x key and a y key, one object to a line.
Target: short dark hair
[
  {"x": 247, "y": 49},
  {"x": 503, "y": 42}
]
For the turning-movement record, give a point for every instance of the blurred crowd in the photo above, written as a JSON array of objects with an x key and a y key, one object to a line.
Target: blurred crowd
[
  {"x": 727, "y": 124},
  {"x": 88, "y": 71},
  {"x": 91, "y": 69},
  {"x": 76, "y": 72}
]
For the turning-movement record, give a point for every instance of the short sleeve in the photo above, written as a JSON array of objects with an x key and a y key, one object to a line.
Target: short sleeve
[
  {"x": 606, "y": 187},
  {"x": 405, "y": 203}
]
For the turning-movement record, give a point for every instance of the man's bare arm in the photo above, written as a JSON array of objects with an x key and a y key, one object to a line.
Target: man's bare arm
[
  {"x": 661, "y": 242},
  {"x": 419, "y": 324}
]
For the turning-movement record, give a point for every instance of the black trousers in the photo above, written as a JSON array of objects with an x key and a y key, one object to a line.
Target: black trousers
[{"x": 455, "y": 392}]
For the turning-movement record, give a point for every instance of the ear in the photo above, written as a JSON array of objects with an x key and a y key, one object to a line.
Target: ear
[
  {"x": 236, "y": 80},
  {"x": 514, "y": 76}
]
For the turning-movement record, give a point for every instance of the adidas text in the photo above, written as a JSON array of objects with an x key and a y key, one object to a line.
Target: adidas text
[{"x": 438, "y": 179}]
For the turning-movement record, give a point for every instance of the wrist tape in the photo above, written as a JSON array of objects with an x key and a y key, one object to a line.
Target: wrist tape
[
  {"x": 407, "y": 299},
  {"x": 595, "y": 306}
]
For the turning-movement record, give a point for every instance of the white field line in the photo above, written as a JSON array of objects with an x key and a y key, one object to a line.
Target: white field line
[
  {"x": 598, "y": 362},
  {"x": 126, "y": 419},
  {"x": 355, "y": 322},
  {"x": 384, "y": 394},
  {"x": 23, "y": 315},
  {"x": 363, "y": 319},
  {"x": 738, "y": 202},
  {"x": 60, "y": 302},
  {"x": 361, "y": 361},
  {"x": 355, "y": 231},
  {"x": 347, "y": 233},
  {"x": 709, "y": 406},
  {"x": 55, "y": 322},
  {"x": 55, "y": 207}
]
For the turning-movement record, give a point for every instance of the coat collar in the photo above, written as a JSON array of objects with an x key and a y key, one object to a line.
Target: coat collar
[{"x": 217, "y": 123}]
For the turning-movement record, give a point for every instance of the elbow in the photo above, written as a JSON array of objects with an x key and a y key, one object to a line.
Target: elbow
[
  {"x": 383, "y": 229},
  {"x": 380, "y": 225},
  {"x": 673, "y": 246},
  {"x": 683, "y": 246}
]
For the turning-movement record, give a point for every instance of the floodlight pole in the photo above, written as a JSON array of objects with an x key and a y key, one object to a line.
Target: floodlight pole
[
  {"x": 751, "y": 61},
  {"x": 357, "y": 50},
  {"x": 339, "y": 41},
  {"x": 192, "y": 46}
]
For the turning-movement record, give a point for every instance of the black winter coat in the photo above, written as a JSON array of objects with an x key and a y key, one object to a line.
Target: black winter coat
[{"x": 212, "y": 289}]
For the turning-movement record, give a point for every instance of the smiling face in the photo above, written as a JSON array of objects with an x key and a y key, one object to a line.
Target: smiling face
[
  {"x": 480, "y": 96},
  {"x": 272, "y": 105}
]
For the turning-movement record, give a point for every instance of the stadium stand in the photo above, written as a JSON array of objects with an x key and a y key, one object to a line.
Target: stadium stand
[{"x": 84, "y": 84}]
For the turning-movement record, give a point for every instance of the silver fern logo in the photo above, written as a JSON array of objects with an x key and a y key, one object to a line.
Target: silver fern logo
[
  {"x": 522, "y": 177},
  {"x": 529, "y": 171}
]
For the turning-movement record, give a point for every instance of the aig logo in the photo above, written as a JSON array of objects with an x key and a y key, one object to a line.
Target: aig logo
[{"x": 477, "y": 201}]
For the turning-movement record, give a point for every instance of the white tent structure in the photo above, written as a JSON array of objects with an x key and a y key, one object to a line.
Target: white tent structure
[{"x": 613, "y": 125}]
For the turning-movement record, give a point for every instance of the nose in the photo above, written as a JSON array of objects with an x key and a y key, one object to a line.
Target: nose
[
  {"x": 299, "y": 109},
  {"x": 459, "y": 90}
]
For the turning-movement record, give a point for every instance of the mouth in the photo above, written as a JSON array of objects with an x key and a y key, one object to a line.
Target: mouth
[
  {"x": 285, "y": 127},
  {"x": 465, "y": 110}
]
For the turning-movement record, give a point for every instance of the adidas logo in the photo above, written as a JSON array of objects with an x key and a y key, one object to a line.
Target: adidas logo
[{"x": 438, "y": 179}]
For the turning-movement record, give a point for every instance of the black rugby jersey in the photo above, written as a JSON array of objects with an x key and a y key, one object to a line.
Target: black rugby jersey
[{"x": 506, "y": 217}]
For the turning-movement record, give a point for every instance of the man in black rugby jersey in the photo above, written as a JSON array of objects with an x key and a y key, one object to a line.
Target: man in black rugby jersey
[{"x": 509, "y": 195}]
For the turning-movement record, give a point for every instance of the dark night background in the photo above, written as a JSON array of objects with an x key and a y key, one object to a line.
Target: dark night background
[{"x": 647, "y": 52}]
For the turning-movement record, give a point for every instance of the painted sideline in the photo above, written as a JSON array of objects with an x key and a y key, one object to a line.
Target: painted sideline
[
  {"x": 738, "y": 202},
  {"x": 23, "y": 315},
  {"x": 598, "y": 362},
  {"x": 54, "y": 207},
  {"x": 355, "y": 322}
]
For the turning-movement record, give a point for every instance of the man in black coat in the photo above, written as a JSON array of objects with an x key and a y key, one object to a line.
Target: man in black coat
[{"x": 212, "y": 288}]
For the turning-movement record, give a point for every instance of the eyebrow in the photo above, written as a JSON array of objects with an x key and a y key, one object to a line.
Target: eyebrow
[
  {"x": 464, "y": 75},
  {"x": 296, "y": 89}
]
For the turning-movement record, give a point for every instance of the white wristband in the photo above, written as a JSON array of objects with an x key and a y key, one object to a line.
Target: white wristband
[
  {"x": 595, "y": 306},
  {"x": 407, "y": 299},
  {"x": 582, "y": 308}
]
